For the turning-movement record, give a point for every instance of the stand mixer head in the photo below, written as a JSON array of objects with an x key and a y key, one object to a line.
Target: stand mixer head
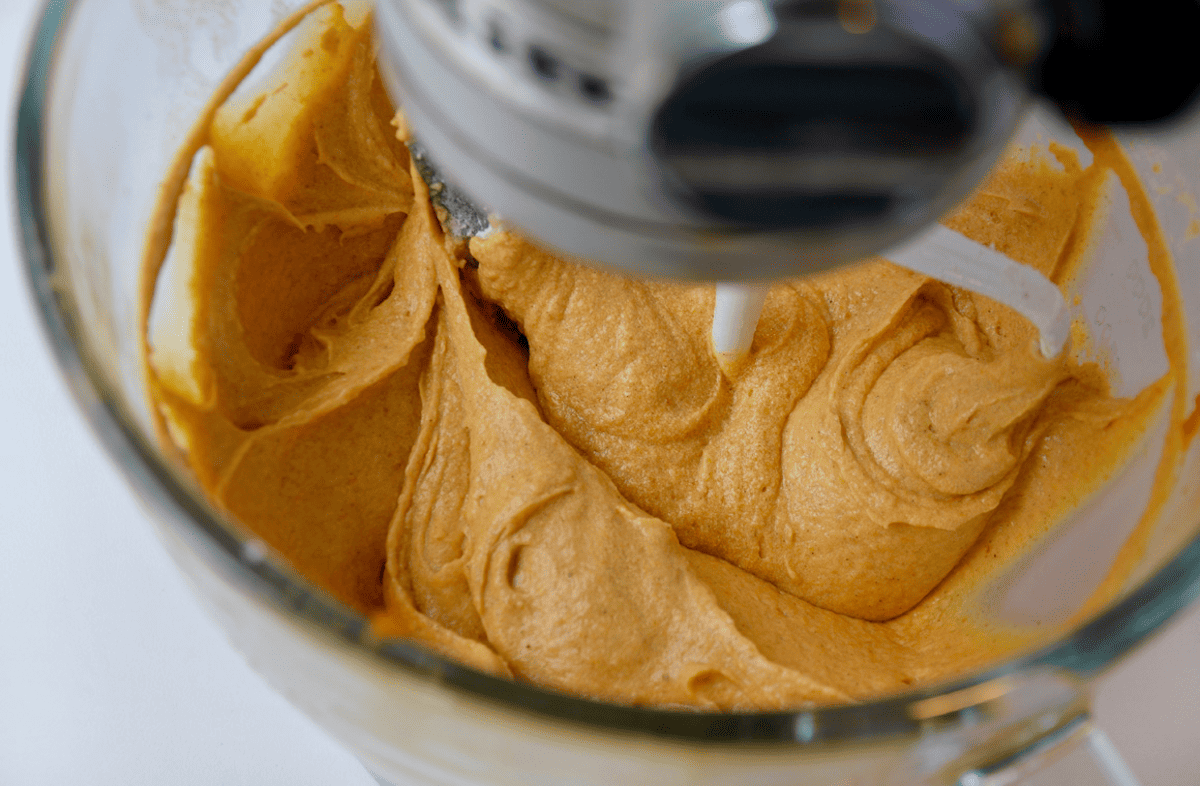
[{"x": 752, "y": 139}]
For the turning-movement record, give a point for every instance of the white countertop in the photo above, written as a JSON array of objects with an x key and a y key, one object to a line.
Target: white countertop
[{"x": 111, "y": 675}]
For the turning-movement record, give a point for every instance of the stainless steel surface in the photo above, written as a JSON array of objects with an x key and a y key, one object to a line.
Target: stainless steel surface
[
  {"x": 459, "y": 216},
  {"x": 727, "y": 140}
]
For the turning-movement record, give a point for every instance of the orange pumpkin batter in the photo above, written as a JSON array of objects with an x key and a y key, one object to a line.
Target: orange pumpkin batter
[{"x": 540, "y": 470}]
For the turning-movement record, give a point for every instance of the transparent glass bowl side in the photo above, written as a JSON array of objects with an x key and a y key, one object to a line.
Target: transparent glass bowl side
[{"x": 97, "y": 125}]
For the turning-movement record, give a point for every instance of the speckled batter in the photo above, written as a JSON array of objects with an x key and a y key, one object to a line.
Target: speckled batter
[{"x": 539, "y": 469}]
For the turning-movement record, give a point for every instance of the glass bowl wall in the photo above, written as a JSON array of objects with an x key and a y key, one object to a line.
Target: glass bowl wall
[{"x": 113, "y": 88}]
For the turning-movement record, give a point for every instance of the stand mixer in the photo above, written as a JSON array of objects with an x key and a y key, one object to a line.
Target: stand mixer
[
  {"x": 755, "y": 139},
  {"x": 758, "y": 139}
]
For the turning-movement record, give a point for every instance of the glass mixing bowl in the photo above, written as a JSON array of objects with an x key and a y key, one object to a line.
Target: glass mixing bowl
[{"x": 111, "y": 91}]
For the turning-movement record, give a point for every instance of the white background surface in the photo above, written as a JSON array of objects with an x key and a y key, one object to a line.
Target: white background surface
[{"x": 110, "y": 674}]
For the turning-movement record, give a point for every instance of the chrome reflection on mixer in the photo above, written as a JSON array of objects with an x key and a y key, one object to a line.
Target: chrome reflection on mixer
[{"x": 751, "y": 139}]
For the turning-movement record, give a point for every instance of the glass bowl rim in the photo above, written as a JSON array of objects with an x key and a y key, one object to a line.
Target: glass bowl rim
[{"x": 1089, "y": 649}]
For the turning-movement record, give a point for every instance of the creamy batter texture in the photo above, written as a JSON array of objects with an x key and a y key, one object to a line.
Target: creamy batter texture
[{"x": 539, "y": 469}]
